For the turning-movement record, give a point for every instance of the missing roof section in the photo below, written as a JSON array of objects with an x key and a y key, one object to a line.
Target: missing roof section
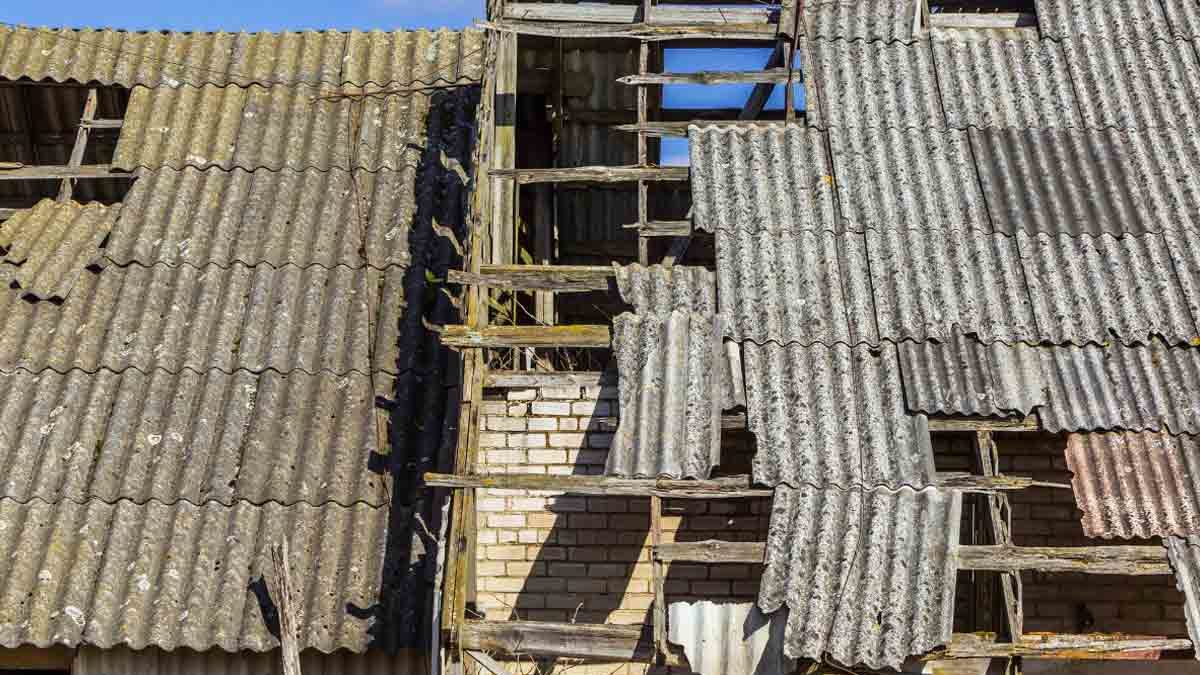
[{"x": 986, "y": 15}]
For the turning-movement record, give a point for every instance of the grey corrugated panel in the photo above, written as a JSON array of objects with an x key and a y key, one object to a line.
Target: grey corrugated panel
[
  {"x": 669, "y": 395},
  {"x": 1005, "y": 83},
  {"x": 172, "y": 59},
  {"x": 1114, "y": 21},
  {"x": 1072, "y": 181},
  {"x": 872, "y": 84},
  {"x": 1136, "y": 485},
  {"x": 302, "y": 218},
  {"x": 804, "y": 287},
  {"x": 761, "y": 178},
  {"x": 867, "y": 577},
  {"x": 53, "y": 242},
  {"x": 907, "y": 179},
  {"x": 927, "y": 282},
  {"x": 1135, "y": 85},
  {"x": 155, "y": 661},
  {"x": 658, "y": 289},
  {"x": 254, "y": 318},
  {"x": 184, "y": 575},
  {"x": 1096, "y": 288},
  {"x": 1167, "y": 157},
  {"x": 1184, "y": 18},
  {"x": 189, "y": 436},
  {"x": 1183, "y": 246},
  {"x": 1184, "y": 554},
  {"x": 886, "y": 20},
  {"x": 963, "y": 376},
  {"x": 269, "y": 128},
  {"x": 833, "y": 416},
  {"x": 729, "y": 638}
]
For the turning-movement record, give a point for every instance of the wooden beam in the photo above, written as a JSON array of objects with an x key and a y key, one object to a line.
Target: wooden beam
[
  {"x": 711, "y": 551},
  {"x": 537, "y": 378},
  {"x": 657, "y": 581},
  {"x": 289, "y": 643},
  {"x": 1061, "y": 646},
  {"x": 758, "y": 98},
  {"x": 596, "y": 174},
  {"x": 1129, "y": 560},
  {"x": 19, "y": 172},
  {"x": 985, "y": 424},
  {"x": 102, "y": 124},
  {"x": 988, "y": 458},
  {"x": 7, "y": 213},
  {"x": 662, "y": 228},
  {"x": 627, "y": 14},
  {"x": 527, "y": 336},
  {"x": 772, "y": 76},
  {"x": 562, "y": 278},
  {"x": 66, "y": 188},
  {"x": 651, "y": 32},
  {"x": 487, "y": 662},
  {"x": 995, "y": 20},
  {"x": 601, "y": 642}
]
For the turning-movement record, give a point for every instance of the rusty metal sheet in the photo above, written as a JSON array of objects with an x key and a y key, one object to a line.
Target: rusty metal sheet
[
  {"x": 963, "y": 376},
  {"x": 52, "y": 243},
  {"x": 1115, "y": 21},
  {"x": 658, "y": 289},
  {"x": 852, "y": 83},
  {"x": 1139, "y": 84},
  {"x": 728, "y": 638}
]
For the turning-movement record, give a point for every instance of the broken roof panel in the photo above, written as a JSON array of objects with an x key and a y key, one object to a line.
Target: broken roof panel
[
  {"x": 189, "y": 436},
  {"x": 884, "y": 20},
  {"x": 658, "y": 289},
  {"x": 907, "y": 179},
  {"x": 963, "y": 376},
  {"x": 757, "y": 177},
  {"x": 867, "y": 577},
  {"x": 833, "y": 416},
  {"x": 1005, "y": 83},
  {"x": 872, "y": 84},
  {"x": 52, "y": 243},
  {"x": 1113, "y": 21},
  {"x": 1092, "y": 289},
  {"x": 1184, "y": 554},
  {"x": 183, "y": 575},
  {"x": 1140, "y": 84},
  {"x": 1136, "y": 485},
  {"x": 728, "y": 638}
]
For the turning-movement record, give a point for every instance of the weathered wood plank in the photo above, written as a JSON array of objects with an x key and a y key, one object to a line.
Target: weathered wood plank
[
  {"x": 662, "y": 228},
  {"x": 988, "y": 458},
  {"x": 652, "y": 32},
  {"x": 1131, "y": 560},
  {"x": 711, "y": 551},
  {"x": 538, "y": 378},
  {"x": 289, "y": 643},
  {"x": 527, "y": 336},
  {"x": 997, "y": 20},
  {"x": 628, "y": 14},
  {"x": 1061, "y": 646},
  {"x": 757, "y": 101},
  {"x": 985, "y": 424},
  {"x": 562, "y": 278},
  {"x": 658, "y": 580},
  {"x": 601, "y": 642},
  {"x": 771, "y": 76},
  {"x": 596, "y": 174},
  {"x": 11, "y": 171},
  {"x": 487, "y": 662},
  {"x": 102, "y": 124},
  {"x": 67, "y": 187}
]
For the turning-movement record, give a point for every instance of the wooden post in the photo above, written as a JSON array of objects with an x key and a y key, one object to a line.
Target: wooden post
[
  {"x": 81, "y": 140},
  {"x": 657, "y": 577},
  {"x": 643, "y": 191},
  {"x": 997, "y": 507},
  {"x": 289, "y": 646}
]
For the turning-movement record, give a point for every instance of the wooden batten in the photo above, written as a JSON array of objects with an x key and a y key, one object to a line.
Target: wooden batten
[
  {"x": 650, "y": 32},
  {"x": 603, "y": 13},
  {"x": 20, "y": 172},
  {"x": 771, "y": 76},
  {"x": 539, "y": 378},
  {"x": 562, "y": 278},
  {"x": 596, "y": 174},
  {"x": 526, "y": 336}
]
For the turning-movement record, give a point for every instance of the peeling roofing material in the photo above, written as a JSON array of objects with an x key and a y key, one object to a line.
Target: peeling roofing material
[
  {"x": 171, "y": 59},
  {"x": 190, "y": 436},
  {"x": 761, "y": 178},
  {"x": 867, "y": 577},
  {"x": 658, "y": 289},
  {"x": 1136, "y": 485},
  {"x": 872, "y": 84},
  {"x": 1005, "y": 83},
  {"x": 963, "y": 376},
  {"x": 1184, "y": 554},
  {"x": 728, "y": 638},
  {"x": 883, "y": 20},
  {"x": 184, "y": 575},
  {"x": 670, "y": 400},
  {"x": 52, "y": 243},
  {"x": 1115, "y": 21},
  {"x": 1140, "y": 84},
  {"x": 833, "y": 416},
  {"x": 907, "y": 179},
  {"x": 280, "y": 218},
  {"x": 1092, "y": 289}
]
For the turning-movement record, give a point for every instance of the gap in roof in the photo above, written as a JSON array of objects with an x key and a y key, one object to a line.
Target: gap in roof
[{"x": 718, "y": 96}]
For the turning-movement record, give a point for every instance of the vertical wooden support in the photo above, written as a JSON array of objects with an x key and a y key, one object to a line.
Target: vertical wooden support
[
  {"x": 504, "y": 152},
  {"x": 81, "y": 139},
  {"x": 998, "y": 512},
  {"x": 642, "y": 149},
  {"x": 288, "y": 621},
  {"x": 657, "y": 578}
]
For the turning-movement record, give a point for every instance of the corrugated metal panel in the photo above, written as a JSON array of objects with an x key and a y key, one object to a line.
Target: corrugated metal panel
[
  {"x": 52, "y": 243},
  {"x": 1005, "y": 83},
  {"x": 269, "y": 128},
  {"x": 886, "y": 20},
  {"x": 963, "y": 376},
  {"x": 804, "y": 287},
  {"x": 872, "y": 84},
  {"x": 1135, "y": 85},
  {"x": 1136, "y": 485},
  {"x": 928, "y": 282},
  {"x": 1094, "y": 289},
  {"x": 254, "y": 318},
  {"x": 287, "y": 217},
  {"x": 669, "y": 395},
  {"x": 172, "y": 59},
  {"x": 190, "y": 436},
  {"x": 1184, "y": 554},
  {"x": 729, "y": 638},
  {"x": 833, "y": 416},
  {"x": 907, "y": 179},
  {"x": 657, "y": 289},
  {"x": 185, "y": 575},
  {"x": 868, "y": 577},
  {"x": 154, "y": 661},
  {"x": 761, "y": 178},
  {"x": 1114, "y": 21}
]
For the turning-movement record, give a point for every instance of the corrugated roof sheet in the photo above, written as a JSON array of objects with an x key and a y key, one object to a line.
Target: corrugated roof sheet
[
  {"x": 670, "y": 395},
  {"x": 1005, "y": 83},
  {"x": 301, "y": 218},
  {"x": 184, "y": 575},
  {"x": 758, "y": 178},
  {"x": 52, "y": 243},
  {"x": 833, "y": 416},
  {"x": 729, "y": 638},
  {"x": 872, "y": 84},
  {"x": 963, "y": 376},
  {"x": 190, "y": 436},
  {"x": 153, "y": 661},
  {"x": 658, "y": 289},
  {"x": 1184, "y": 18},
  {"x": 1099, "y": 288},
  {"x": 868, "y": 577},
  {"x": 907, "y": 179},
  {"x": 1183, "y": 246},
  {"x": 1137, "y": 84},
  {"x": 172, "y": 59},
  {"x": 1115, "y": 20},
  {"x": 1136, "y": 485},
  {"x": 1184, "y": 554},
  {"x": 885, "y": 20}
]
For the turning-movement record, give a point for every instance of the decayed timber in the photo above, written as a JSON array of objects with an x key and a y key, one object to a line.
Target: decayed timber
[
  {"x": 662, "y": 228},
  {"x": 711, "y": 551},
  {"x": 985, "y": 424},
  {"x": 1061, "y": 646},
  {"x": 19, "y": 172},
  {"x": 651, "y": 32},
  {"x": 627, "y": 14},
  {"x": 540, "y": 378},
  {"x": 102, "y": 124},
  {"x": 596, "y": 174},
  {"x": 526, "y": 336},
  {"x": 771, "y": 76},
  {"x": 7, "y": 213},
  {"x": 1131, "y": 560},
  {"x": 563, "y": 278},
  {"x": 998, "y": 20}
]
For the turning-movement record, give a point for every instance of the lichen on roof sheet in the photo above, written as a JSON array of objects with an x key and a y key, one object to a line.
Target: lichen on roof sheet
[{"x": 52, "y": 243}]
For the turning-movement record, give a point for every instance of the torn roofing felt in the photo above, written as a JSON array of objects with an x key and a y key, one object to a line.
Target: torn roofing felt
[
  {"x": 729, "y": 638},
  {"x": 52, "y": 243},
  {"x": 866, "y": 576}
]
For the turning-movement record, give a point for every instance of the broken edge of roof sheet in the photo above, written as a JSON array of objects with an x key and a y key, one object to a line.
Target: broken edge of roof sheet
[
  {"x": 659, "y": 289},
  {"x": 880, "y": 557},
  {"x": 729, "y": 638},
  {"x": 1184, "y": 554},
  {"x": 52, "y": 243},
  {"x": 963, "y": 376},
  {"x": 153, "y": 59}
]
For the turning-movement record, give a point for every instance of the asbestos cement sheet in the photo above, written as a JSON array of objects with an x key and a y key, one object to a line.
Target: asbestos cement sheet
[
  {"x": 52, "y": 243},
  {"x": 658, "y": 289},
  {"x": 870, "y": 20},
  {"x": 1139, "y": 84},
  {"x": 963, "y": 376},
  {"x": 1114, "y": 21},
  {"x": 729, "y": 638},
  {"x": 854, "y": 83}
]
